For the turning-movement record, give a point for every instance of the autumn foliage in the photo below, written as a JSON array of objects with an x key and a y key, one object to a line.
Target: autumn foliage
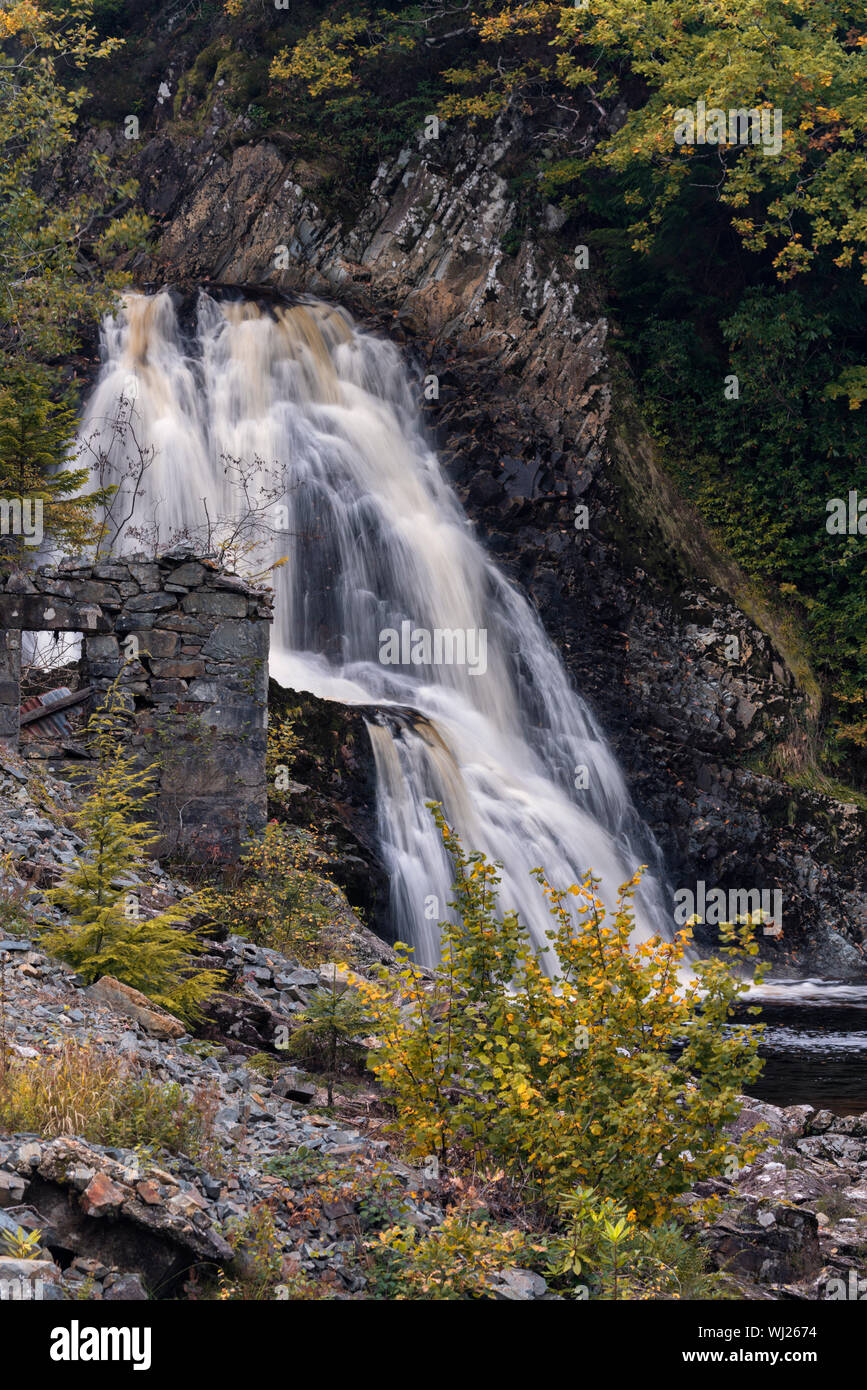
[{"x": 615, "y": 1071}]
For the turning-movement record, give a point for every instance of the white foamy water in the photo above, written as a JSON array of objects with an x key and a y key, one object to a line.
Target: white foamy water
[
  {"x": 814, "y": 1040},
  {"x": 374, "y": 537},
  {"x": 811, "y": 991}
]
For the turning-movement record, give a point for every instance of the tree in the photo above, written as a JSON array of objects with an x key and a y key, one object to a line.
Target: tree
[
  {"x": 108, "y": 932},
  {"x": 610, "y": 1073},
  {"x": 36, "y": 434},
  {"x": 54, "y": 251},
  {"x": 47, "y": 277},
  {"x": 329, "y": 1028},
  {"x": 805, "y": 60},
  {"x": 327, "y": 58},
  {"x": 282, "y": 898}
]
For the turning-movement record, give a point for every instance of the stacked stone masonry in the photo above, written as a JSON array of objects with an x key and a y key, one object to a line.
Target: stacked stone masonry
[{"x": 190, "y": 645}]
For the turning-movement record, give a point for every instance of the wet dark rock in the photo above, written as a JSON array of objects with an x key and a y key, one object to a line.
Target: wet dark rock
[
  {"x": 292, "y": 1087},
  {"x": 778, "y": 1253},
  {"x": 245, "y": 1020},
  {"x": 336, "y": 776}
]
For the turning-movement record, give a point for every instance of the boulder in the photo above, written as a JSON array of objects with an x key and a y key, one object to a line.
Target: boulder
[
  {"x": 122, "y": 999},
  {"x": 518, "y": 1285},
  {"x": 768, "y": 1253},
  {"x": 337, "y": 977},
  {"x": 26, "y": 1271},
  {"x": 101, "y": 1196},
  {"x": 127, "y": 1289},
  {"x": 235, "y": 1016},
  {"x": 290, "y": 1086},
  {"x": 12, "y": 1188},
  {"x": 158, "y": 1241}
]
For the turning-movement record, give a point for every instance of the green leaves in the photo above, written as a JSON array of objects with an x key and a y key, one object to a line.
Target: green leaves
[
  {"x": 804, "y": 61},
  {"x": 283, "y": 898},
  {"x": 50, "y": 248},
  {"x": 36, "y": 434},
  {"x": 329, "y": 1028},
  {"x": 481, "y": 1064},
  {"x": 109, "y": 931}
]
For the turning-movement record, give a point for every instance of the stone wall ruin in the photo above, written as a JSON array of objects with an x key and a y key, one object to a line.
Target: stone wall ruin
[{"x": 190, "y": 645}]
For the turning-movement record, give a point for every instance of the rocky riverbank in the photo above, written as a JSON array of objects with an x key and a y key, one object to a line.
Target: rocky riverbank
[{"x": 121, "y": 1223}]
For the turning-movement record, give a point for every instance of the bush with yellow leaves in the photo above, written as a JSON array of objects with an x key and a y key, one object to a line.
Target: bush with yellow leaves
[
  {"x": 281, "y": 896},
  {"x": 608, "y": 1073},
  {"x": 457, "y": 1259}
]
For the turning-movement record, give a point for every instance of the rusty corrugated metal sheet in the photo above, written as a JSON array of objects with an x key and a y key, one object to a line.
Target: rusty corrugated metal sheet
[{"x": 57, "y": 724}]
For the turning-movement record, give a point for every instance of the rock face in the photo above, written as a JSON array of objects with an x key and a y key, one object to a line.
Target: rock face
[
  {"x": 532, "y": 429},
  {"x": 86, "y": 1203},
  {"x": 334, "y": 787},
  {"x": 190, "y": 645}
]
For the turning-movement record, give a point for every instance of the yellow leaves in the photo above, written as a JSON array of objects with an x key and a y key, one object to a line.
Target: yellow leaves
[
  {"x": 327, "y": 58},
  {"x": 20, "y": 18},
  {"x": 40, "y": 285},
  {"x": 517, "y": 22},
  {"x": 489, "y": 1080}
]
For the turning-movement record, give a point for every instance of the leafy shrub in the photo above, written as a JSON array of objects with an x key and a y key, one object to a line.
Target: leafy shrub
[
  {"x": 301, "y": 1167},
  {"x": 327, "y": 57},
  {"x": 329, "y": 1028},
  {"x": 14, "y": 915},
  {"x": 265, "y": 1064},
  {"x": 611, "y": 1073},
  {"x": 259, "y": 1271},
  {"x": 600, "y": 1251},
  {"x": 258, "y": 1256},
  {"x": 284, "y": 743},
  {"x": 456, "y": 1259},
  {"x": 280, "y": 897},
  {"x": 375, "y": 1194}
]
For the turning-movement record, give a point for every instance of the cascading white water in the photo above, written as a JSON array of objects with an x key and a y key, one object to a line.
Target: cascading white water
[{"x": 373, "y": 539}]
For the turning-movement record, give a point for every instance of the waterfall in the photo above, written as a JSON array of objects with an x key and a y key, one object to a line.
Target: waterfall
[{"x": 385, "y": 598}]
